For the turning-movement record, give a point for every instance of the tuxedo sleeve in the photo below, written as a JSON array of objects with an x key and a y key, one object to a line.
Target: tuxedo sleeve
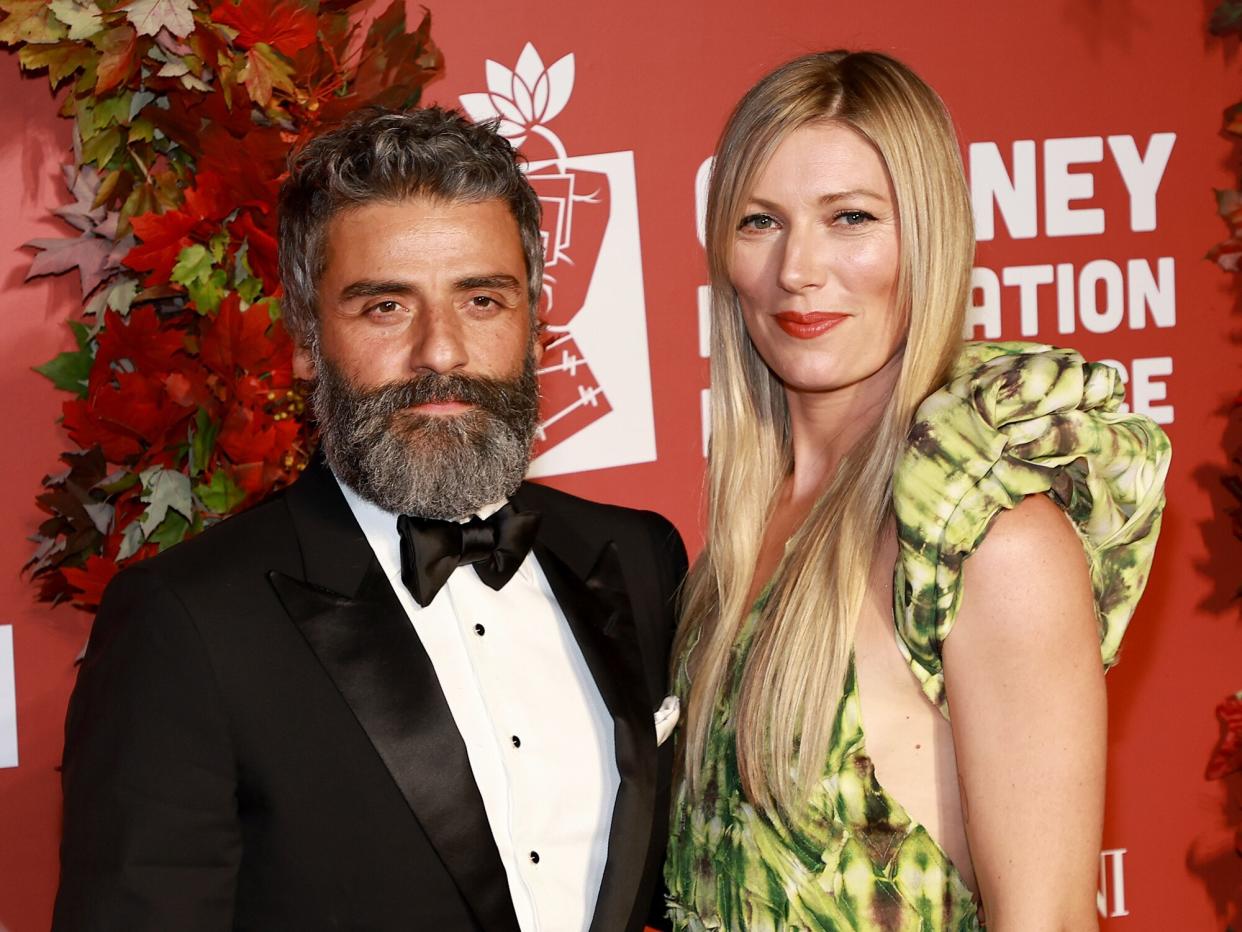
[
  {"x": 151, "y": 833},
  {"x": 669, "y": 553}
]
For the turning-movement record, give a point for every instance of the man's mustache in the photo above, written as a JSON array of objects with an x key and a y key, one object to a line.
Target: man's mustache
[{"x": 440, "y": 388}]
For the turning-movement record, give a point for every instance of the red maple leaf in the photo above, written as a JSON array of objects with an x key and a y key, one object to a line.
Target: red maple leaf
[
  {"x": 192, "y": 117},
  {"x": 262, "y": 248},
  {"x": 209, "y": 199},
  {"x": 148, "y": 343},
  {"x": 269, "y": 390},
  {"x": 91, "y": 579},
  {"x": 249, "y": 167},
  {"x": 127, "y": 419},
  {"x": 259, "y": 446},
  {"x": 284, "y": 25},
  {"x": 161, "y": 237},
  {"x": 240, "y": 340},
  {"x": 188, "y": 386}
]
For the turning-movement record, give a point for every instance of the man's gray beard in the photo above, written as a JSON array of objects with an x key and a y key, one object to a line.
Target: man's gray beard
[{"x": 435, "y": 466}]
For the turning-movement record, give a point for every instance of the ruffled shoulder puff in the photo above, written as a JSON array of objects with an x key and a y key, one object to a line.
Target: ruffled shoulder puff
[{"x": 1019, "y": 419}]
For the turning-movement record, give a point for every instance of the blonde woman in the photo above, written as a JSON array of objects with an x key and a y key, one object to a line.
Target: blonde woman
[{"x": 880, "y": 553}]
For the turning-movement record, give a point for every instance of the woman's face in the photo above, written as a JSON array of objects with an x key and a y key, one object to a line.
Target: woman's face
[{"x": 814, "y": 261}]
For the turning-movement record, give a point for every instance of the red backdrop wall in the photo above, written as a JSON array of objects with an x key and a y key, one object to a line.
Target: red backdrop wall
[{"x": 1066, "y": 110}]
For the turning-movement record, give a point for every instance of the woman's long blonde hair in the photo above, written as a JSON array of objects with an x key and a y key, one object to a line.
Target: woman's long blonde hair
[{"x": 795, "y": 671}]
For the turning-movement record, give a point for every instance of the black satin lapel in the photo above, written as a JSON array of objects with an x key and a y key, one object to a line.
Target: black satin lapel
[
  {"x": 598, "y": 611},
  {"x": 369, "y": 649}
]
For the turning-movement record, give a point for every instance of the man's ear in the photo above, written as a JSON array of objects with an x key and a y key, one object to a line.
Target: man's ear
[
  {"x": 303, "y": 362},
  {"x": 540, "y": 338}
]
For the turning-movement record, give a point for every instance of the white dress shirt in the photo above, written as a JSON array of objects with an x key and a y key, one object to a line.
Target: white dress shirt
[{"x": 537, "y": 733}]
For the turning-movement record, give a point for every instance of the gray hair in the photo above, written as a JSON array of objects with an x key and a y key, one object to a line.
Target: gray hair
[{"x": 388, "y": 155}]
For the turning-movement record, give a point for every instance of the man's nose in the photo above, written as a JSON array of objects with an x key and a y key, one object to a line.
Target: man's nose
[{"x": 438, "y": 344}]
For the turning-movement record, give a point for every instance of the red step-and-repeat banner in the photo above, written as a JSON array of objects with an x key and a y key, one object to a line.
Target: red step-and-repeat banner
[{"x": 1091, "y": 137}]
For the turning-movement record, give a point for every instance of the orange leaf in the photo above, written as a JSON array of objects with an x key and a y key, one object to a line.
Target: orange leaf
[
  {"x": 119, "y": 60},
  {"x": 258, "y": 78}
]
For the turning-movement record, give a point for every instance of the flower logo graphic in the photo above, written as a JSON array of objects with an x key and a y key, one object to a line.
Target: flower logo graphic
[
  {"x": 594, "y": 413},
  {"x": 524, "y": 99}
]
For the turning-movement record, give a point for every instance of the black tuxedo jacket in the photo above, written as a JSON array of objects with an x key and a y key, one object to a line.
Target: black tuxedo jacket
[{"x": 257, "y": 739}]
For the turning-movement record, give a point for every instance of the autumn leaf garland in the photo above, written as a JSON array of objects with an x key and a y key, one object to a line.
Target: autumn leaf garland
[
  {"x": 184, "y": 406},
  {"x": 1226, "y": 758}
]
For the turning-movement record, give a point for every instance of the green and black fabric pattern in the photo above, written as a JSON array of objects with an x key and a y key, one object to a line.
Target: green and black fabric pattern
[{"x": 1016, "y": 419}]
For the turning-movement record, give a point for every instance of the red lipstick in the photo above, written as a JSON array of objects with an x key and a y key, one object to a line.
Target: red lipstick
[{"x": 807, "y": 326}]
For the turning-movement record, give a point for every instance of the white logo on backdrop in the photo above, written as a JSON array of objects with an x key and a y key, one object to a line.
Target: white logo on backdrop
[
  {"x": 8, "y": 700},
  {"x": 595, "y": 375}
]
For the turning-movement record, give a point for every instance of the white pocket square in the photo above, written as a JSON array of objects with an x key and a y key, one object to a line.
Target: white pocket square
[{"x": 666, "y": 718}]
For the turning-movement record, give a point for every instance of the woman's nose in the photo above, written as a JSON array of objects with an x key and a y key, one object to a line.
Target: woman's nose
[{"x": 803, "y": 263}]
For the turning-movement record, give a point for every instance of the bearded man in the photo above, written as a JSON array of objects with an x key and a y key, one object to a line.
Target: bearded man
[{"x": 411, "y": 691}]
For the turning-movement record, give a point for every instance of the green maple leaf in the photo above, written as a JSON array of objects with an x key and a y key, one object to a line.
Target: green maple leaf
[
  {"x": 114, "y": 110},
  {"x": 218, "y": 244},
  {"x": 172, "y": 530},
  {"x": 205, "y": 284},
  {"x": 101, "y": 147},
  {"x": 30, "y": 21},
  {"x": 193, "y": 262},
  {"x": 202, "y": 441},
  {"x": 164, "y": 490},
  {"x": 221, "y": 495},
  {"x": 249, "y": 288},
  {"x": 83, "y": 18},
  {"x": 70, "y": 372},
  {"x": 150, "y": 16},
  {"x": 142, "y": 131},
  {"x": 207, "y": 293}
]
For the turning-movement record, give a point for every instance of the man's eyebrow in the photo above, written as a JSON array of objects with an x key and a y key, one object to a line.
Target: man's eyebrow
[
  {"x": 500, "y": 282},
  {"x": 371, "y": 288}
]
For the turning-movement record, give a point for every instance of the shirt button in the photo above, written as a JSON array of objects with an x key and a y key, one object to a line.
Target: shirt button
[
  {"x": 534, "y": 857},
  {"x": 517, "y": 742},
  {"x": 479, "y": 630}
]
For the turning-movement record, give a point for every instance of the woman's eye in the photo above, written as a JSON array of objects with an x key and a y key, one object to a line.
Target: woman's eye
[
  {"x": 757, "y": 222},
  {"x": 854, "y": 218}
]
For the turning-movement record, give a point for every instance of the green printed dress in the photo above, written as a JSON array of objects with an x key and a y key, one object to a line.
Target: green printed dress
[{"x": 1015, "y": 419}]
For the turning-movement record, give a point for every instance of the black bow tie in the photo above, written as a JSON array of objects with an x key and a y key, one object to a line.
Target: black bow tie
[{"x": 431, "y": 549}]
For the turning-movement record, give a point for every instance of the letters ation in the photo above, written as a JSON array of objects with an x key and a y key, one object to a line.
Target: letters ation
[{"x": 1100, "y": 297}]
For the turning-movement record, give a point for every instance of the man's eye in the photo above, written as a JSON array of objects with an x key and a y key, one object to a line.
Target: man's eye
[
  {"x": 757, "y": 222},
  {"x": 854, "y": 218},
  {"x": 385, "y": 307},
  {"x": 483, "y": 301}
]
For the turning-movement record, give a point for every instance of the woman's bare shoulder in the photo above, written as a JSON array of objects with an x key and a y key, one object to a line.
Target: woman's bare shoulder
[{"x": 1031, "y": 570}]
